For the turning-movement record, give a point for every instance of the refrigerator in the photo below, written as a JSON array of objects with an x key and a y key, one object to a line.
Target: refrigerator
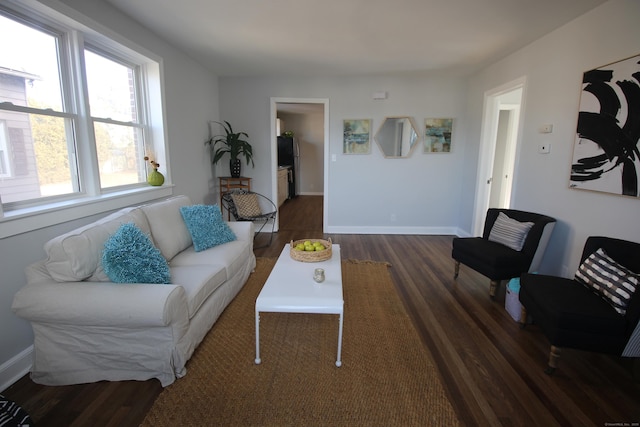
[{"x": 289, "y": 157}]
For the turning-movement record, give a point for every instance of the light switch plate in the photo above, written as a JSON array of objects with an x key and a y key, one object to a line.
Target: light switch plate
[{"x": 546, "y": 128}]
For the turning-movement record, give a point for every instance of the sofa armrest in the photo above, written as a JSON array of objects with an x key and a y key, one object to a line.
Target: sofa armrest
[
  {"x": 102, "y": 304},
  {"x": 242, "y": 229}
]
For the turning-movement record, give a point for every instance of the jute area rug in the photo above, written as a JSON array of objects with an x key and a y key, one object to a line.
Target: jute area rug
[{"x": 387, "y": 377}]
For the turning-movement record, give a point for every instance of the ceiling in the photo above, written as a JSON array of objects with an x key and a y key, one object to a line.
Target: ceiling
[{"x": 350, "y": 37}]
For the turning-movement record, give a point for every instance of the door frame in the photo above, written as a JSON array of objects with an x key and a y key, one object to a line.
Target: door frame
[
  {"x": 486, "y": 155},
  {"x": 274, "y": 101}
]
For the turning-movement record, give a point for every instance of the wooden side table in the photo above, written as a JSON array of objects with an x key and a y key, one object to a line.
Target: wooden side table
[{"x": 228, "y": 183}]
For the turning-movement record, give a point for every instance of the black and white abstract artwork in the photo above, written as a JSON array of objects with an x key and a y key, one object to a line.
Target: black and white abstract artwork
[{"x": 606, "y": 153}]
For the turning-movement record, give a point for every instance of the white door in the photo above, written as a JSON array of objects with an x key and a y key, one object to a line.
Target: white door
[{"x": 498, "y": 147}]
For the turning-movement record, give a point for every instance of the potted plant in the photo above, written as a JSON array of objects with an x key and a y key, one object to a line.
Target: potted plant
[{"x": 233, "y": 143}]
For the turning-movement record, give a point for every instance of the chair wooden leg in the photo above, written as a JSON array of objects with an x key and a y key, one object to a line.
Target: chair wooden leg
[
  {"x": 493, "y": 287},
  {"x": 523, "y": 317},
  {"x": 554, "y": 355},
  {"x": 456, "y": 270}
]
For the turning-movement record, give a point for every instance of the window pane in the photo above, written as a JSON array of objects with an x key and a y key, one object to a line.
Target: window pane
[
  {"x": 111, "y": 89},
  {"x": 37, "y": 157},
  {"x": 29, "y": 72},
  {"x": 120, "y": 157}
]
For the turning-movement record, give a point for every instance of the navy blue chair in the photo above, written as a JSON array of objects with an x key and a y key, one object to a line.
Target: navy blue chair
[
  {"x": 573, "y": 315},
  {"x": 497, "y": 261}
]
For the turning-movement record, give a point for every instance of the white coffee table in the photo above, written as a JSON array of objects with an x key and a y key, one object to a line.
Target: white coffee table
[{"x": 290, "y": 288}]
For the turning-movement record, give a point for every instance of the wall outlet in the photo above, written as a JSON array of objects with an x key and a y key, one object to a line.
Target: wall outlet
[
  {"x": 544, "y": 148},
  {"x": 393, "y": 217}
]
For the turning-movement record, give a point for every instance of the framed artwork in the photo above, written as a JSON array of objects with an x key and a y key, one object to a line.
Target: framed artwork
[
  {"x": 606, "y": 154},
  {"x": 437, "y": 135},
  {"x": 356, "y": 136}
]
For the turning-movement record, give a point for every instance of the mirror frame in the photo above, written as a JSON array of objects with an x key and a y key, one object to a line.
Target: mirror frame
[{"x": 379, "y": 143}]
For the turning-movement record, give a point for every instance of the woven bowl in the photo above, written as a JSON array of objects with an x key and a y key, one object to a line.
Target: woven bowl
[{"x": 315, "y": 256}]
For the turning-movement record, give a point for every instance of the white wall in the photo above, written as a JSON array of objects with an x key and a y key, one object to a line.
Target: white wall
[
  {"x": 364, "y": 190},
  {"x": 553, "y": 67},
  {"x": 191, "y": 99}
]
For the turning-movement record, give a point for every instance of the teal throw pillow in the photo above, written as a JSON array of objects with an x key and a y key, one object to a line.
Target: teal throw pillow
[
  {"x": 206, "y": 226},
  {"x": 130, "y": 257}
]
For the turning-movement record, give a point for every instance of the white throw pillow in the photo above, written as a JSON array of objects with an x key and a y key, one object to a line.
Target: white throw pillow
[
  {"x": 75, "y": 256},
  {"x": 510, "y": 232},
  {"x": 169, "y": 231}
]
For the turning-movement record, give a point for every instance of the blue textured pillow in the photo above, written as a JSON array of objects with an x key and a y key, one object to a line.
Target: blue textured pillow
[
  {"x": 206, "y": 226},
  {"x": 130, "y": 257}
]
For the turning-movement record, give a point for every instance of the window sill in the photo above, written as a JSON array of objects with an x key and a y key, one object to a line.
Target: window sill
[{"x": 25, "y": 220}]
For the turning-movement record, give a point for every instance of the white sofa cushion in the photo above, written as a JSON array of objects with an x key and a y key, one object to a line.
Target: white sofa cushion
[
  {"x": 231, "y": 255},
  {"x": 199, "y": 282},
  {"x": 75, "y": 256},
  {"x": 170, "y": 233}
]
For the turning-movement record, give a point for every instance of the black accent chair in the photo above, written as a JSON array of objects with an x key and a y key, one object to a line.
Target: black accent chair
[
  {"x": 258, "y": 209},
  {"x": 573, "y": 316},
  {"x": 497, "y": 261}
]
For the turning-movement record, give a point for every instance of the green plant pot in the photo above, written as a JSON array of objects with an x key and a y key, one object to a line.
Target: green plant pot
[{"x": 155, "y": 178}]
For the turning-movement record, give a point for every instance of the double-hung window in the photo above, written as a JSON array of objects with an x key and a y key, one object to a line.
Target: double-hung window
[{"x": 76, "y": 120}]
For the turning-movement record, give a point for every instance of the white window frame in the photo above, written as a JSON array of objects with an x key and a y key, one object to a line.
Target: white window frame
[
  {"x": 91, "y": 200},
  {"x": 5, "y": 156}
]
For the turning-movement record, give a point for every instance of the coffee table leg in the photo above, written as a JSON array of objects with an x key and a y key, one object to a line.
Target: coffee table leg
[
  {"x": 258, "y": 338},
  {"x": 339, "y": 360}
]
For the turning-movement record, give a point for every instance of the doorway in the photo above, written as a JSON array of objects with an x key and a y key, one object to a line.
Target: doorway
[
  {"x": 498, "y": 148},
  {"x": 307, "y": 118}
]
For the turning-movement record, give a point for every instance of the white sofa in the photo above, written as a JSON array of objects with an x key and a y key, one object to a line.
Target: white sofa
[{"x": 88, "y": 329}]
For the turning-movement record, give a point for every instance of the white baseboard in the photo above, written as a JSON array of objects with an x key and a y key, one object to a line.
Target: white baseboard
[
  {"x": 462, "y": 233},
  {"x": 393, "y": 230},
  {"x": 15, "y": 368}
]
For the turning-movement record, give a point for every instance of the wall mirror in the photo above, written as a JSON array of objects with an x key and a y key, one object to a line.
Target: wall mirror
[{"x": 397, "y": 137}]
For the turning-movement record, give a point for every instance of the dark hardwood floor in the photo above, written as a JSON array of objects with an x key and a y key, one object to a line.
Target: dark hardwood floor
[{"x": 492, "y": 370}]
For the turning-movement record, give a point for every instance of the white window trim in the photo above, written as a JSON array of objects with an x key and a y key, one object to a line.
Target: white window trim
[
  {"x": 77, "y": 206},
  {"x": 29, "y": 219},
  {"x": 4, "y": 146}
]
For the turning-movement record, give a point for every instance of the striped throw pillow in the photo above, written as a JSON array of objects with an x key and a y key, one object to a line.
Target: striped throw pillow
[
  {"x": 509, "y": 232},
  {"x": 612, "y": 281}
]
